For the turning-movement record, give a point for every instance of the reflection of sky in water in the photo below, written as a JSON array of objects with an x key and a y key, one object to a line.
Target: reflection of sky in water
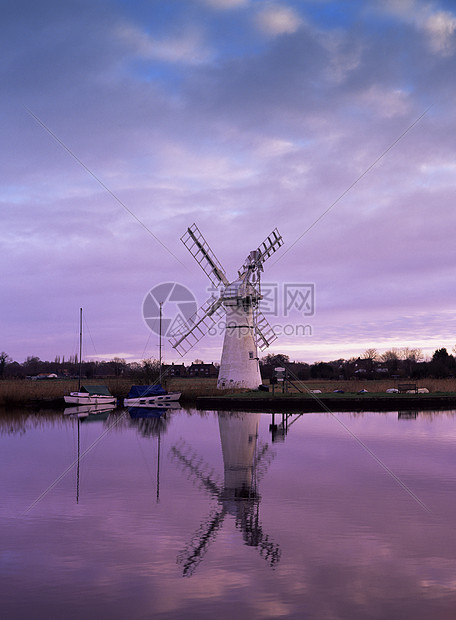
[{"x": 351, "y": 541}]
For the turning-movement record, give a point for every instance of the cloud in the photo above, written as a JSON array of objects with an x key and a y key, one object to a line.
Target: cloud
[
  {"x": 275, "y": 20},
  {"x": 385, "y": 102},
  {"x": 441, "y": 28},
  {"x": 438, "y": 25},
  {"x": 185, "y": 47},
  {"x": 225, "y": 4}
]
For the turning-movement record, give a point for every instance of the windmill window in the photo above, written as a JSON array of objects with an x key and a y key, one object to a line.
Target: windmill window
[{"x": 251, "y": 355}]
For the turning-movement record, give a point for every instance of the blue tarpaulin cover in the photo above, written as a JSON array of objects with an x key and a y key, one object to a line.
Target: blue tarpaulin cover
[{"x": 140, "y": 391}]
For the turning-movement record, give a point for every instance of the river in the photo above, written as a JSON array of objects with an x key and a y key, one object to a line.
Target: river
[{"x": 203, "y": 514}]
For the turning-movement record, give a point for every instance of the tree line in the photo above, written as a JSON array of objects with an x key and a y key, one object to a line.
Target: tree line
[
  {"x": 147, "y": 370},
  {"x": 370, "y": 364},
  {"x": 396, "y": 362}
]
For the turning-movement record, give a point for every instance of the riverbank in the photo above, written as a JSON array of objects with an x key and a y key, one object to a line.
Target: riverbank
[
  {"x": 203, "y": 393},
  {"x": 50, "y": 393},
  {"x": 264, "y": 401}
]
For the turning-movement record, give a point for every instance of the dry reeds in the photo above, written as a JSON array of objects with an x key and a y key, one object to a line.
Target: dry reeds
[{"x": 16, "y": 392}]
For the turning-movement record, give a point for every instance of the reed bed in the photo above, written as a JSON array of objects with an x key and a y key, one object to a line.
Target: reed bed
[
  {"x": 16, "y": 392},
  {"x": 22, "y": 391}
]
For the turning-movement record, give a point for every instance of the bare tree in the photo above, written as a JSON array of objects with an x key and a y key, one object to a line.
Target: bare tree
[
  {"x": 4, "y": 360},
  {"x": 413, "y": 355},
  {"x": 392, "y": 355},
  {"x": 370, "y": 354},
  {"x": 151, "y": 368},
  {"x": 119, "y": 365}
]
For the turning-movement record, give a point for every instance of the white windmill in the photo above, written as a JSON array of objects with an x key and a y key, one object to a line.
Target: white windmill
[{"x": 246, "y": 328}]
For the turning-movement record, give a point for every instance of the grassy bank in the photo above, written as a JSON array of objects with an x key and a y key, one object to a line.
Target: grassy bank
[
  {"x": 21, "y": 392},
  {"x": 376, "y": 386}
]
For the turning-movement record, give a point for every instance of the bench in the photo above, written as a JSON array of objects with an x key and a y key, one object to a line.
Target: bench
[{"x": 407, "y": 387}]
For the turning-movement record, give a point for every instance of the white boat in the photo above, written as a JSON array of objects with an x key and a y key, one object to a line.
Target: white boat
[
  {"x": 88, "y": 394},
  {"x": 149, "y": 396},
  {"x": 91, "y": 395}
]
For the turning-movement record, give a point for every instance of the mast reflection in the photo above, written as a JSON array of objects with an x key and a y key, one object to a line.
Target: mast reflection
[{"x": 151, "y": 422}]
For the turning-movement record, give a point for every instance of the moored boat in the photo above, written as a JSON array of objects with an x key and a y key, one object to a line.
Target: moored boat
[
  {"x": 91, "y": 395},
  {"x": 149, "y": 396},
  {"x": 88, "y": 394}
]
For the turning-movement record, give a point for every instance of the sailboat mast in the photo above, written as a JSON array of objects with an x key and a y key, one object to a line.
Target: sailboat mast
[
  {"x": 80, "y": 349},
  {"x": 160, "y": 345}
]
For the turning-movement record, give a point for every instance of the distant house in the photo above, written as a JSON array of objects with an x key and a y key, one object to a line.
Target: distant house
[
  {"x": 174, "y": 370},
  {"x": 202, "y": 370}
]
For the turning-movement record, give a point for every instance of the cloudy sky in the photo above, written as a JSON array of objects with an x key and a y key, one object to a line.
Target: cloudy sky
[{"x": 123, "y": 123}]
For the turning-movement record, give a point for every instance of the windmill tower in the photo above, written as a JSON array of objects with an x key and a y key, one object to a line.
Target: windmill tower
[{"x": 246, "y": 328}]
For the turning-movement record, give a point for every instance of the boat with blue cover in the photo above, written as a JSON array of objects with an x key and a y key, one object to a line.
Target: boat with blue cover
[{"x": 149, "y": 396}]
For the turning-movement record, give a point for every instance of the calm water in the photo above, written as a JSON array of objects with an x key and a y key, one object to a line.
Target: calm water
[{"x": 205, "y": 514}]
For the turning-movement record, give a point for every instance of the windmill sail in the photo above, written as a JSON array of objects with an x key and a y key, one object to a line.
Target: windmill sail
[
  {"x": 270, "y": 245},
  {"x": 186, "y": 335},
  {"x": 198, "y": 247},
  {"x": 264, "y": 333}
]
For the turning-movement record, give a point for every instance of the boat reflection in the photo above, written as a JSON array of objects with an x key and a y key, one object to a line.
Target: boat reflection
[
  {"x": 90, "y": 412},
  {"x": 160, "y": 408},
  {"x": 151, "y": 421},
  {"x": 407, "y": 415},
  {"x": 245, "y": 462}
]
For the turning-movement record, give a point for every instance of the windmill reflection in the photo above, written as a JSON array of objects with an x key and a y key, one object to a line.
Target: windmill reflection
[{"x": 245, "y": 463}]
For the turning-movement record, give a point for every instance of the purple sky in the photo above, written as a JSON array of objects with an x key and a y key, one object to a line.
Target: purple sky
[{"x": 241, "y": 116}]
